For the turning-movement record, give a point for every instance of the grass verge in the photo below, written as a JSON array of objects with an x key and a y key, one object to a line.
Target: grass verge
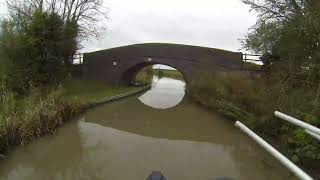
[{"x": 86, "y": 92}]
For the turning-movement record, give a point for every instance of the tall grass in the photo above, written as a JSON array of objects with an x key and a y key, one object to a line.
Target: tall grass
[
  {"x": 253, "y": 102},
  {"x": 24, "y": 119}
]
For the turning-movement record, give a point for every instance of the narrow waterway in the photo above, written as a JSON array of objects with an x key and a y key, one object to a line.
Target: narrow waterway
[{"x": 128, "y": 139}]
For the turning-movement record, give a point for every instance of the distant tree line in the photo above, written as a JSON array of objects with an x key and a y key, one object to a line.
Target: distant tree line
[{"x": 40, "y": 38}]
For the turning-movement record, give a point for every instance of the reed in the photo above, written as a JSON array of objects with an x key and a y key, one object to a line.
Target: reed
[{"x": 24, "y": 119}]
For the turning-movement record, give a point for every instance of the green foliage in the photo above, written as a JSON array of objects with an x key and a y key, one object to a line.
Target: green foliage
[
  {"x": 169, "y": 73},
  {"x": 37, "y": 43},
  {"x": 253, "y": 102},
  {"x": 160, "y": 73},
  {"x": 262, "y": 38},
  {"x": 36, "y": 50},
  {"x": 288, "y": 29},
  {"x": 144, "y": 76}
]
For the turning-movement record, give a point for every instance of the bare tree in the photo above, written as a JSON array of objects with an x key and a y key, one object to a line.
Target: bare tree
[{"x": 86, "y": 14}]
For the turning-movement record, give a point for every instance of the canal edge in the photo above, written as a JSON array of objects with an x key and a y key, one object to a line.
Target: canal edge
[{"x": 115, "y": 98}]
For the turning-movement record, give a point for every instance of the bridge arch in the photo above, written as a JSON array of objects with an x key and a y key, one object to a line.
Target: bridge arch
[{"x": 128, "y": 75}]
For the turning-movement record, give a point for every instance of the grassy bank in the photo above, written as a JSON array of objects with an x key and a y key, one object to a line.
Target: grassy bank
[
  {"x": 253, "y": 103},
  {"x": 23, "y": 119},
  {"x": 89, "y": 91}
]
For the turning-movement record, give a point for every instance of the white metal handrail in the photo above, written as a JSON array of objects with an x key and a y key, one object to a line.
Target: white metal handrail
[
  {"x": 313, "y": 134},
  {"x": 283, "y": 160},
  {"x": 297, "y": 122}
]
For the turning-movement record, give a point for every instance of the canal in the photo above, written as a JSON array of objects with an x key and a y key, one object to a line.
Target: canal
[{"x": 156, "y": 131}]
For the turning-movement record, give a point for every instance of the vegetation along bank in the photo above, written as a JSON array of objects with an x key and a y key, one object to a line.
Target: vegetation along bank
[{"x": 287, "y": 35}]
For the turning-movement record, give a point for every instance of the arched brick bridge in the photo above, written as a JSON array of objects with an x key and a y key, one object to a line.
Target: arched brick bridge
[{"x": 121, "y": 64}]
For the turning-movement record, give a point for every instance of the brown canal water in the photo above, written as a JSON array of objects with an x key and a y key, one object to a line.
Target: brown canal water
[{"x": 127, "y": 140}]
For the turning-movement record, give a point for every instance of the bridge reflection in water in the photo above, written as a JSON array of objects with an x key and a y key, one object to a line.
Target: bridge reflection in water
[{"x": 127, "y": 140}]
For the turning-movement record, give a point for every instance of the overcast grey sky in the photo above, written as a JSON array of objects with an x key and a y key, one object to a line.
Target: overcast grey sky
[{"x": 212, "y": 23}]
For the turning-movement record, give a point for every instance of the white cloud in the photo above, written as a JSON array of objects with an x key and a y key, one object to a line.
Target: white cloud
[{"x": 213, "y": 23}]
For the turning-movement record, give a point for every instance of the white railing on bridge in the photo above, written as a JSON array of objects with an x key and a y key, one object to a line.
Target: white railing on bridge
[
  {"x": 78, "y": 59},
  {"x": 252, "y": 58},
  {"x": 249, "y": 60},
  {"x": 309, "y": 129}
]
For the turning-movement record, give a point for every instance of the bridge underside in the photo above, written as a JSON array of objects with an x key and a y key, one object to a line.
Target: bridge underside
[{"x": 120, "y": 65}]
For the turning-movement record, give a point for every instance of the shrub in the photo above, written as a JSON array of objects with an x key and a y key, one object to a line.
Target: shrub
[{"x": 144, "y": 76}]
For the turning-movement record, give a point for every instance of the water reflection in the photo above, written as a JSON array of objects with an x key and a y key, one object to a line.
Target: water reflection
[
  {"x": 164, "y": 93},
  {"x": 108, "y": 153}
]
